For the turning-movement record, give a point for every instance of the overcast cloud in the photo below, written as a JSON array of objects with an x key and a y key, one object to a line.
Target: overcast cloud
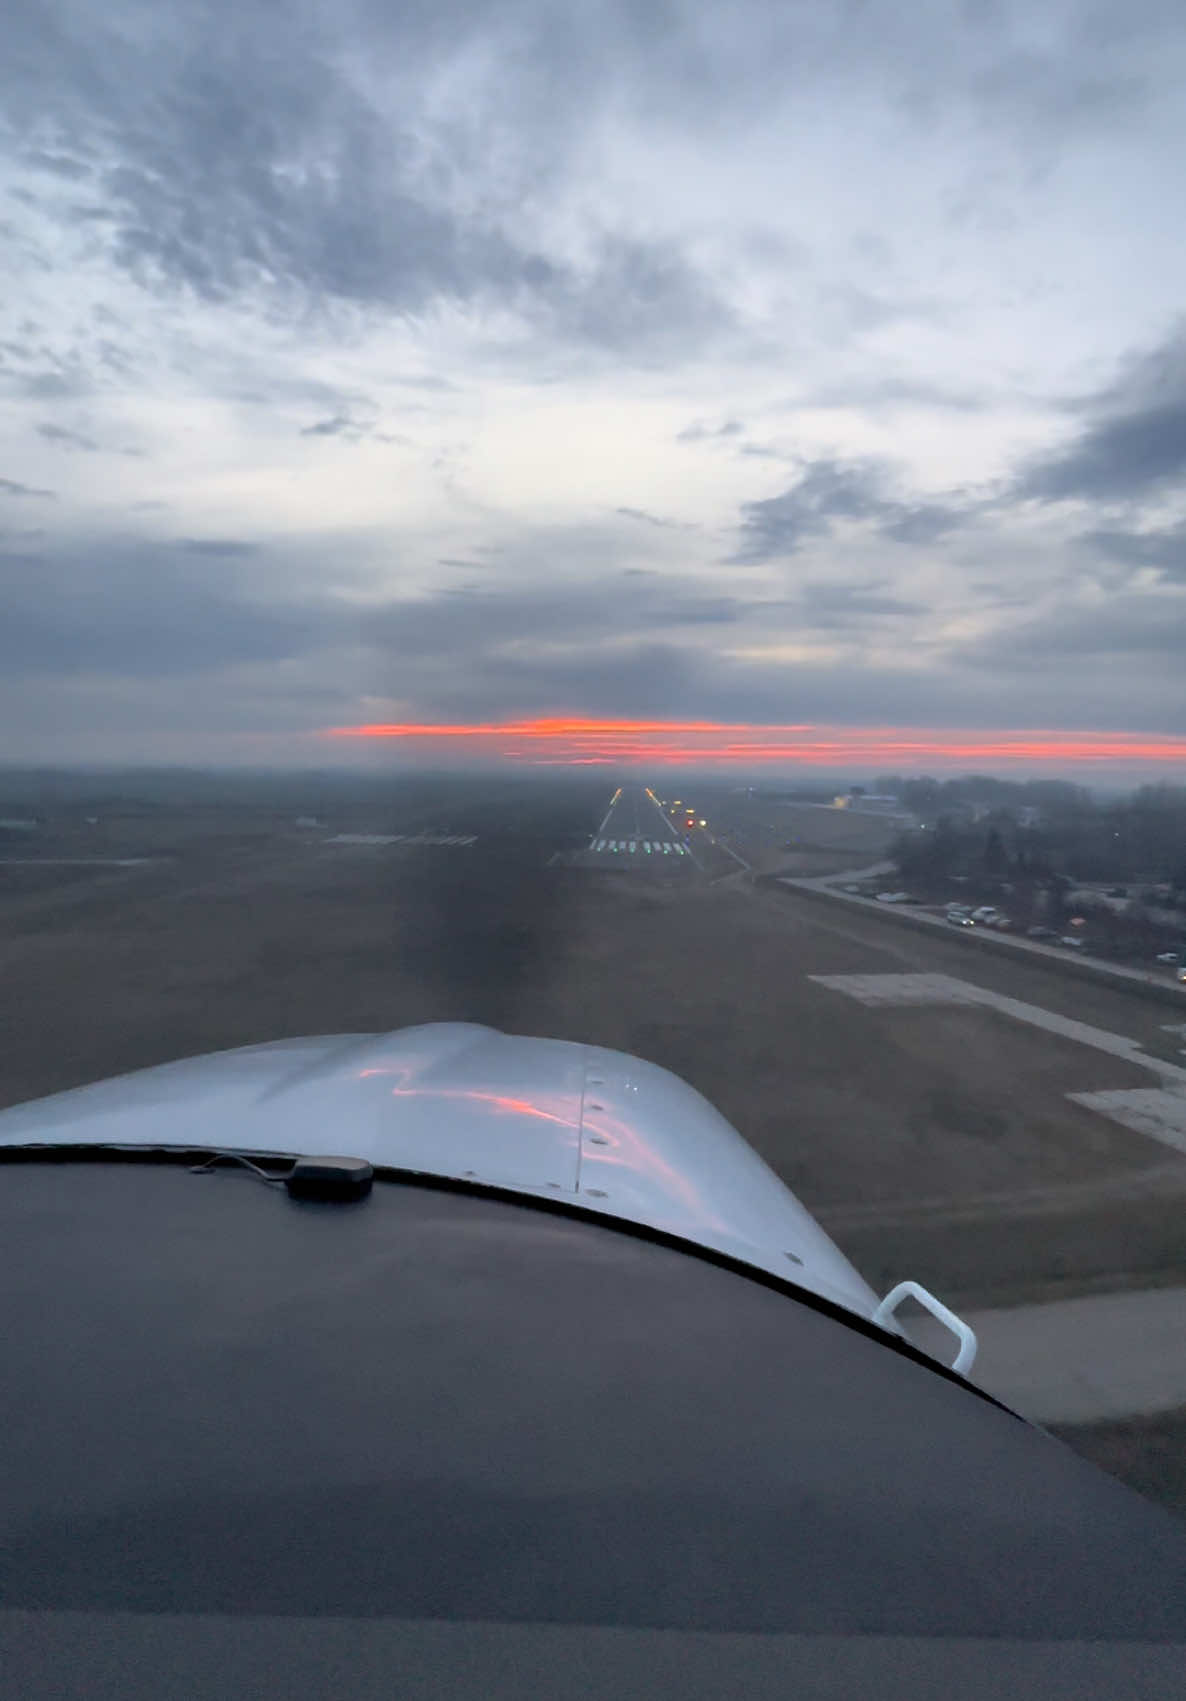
[{"x": 471, "y": 360}]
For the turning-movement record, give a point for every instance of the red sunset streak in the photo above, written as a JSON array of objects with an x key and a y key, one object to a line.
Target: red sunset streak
[{"x": 576, "y": 741}]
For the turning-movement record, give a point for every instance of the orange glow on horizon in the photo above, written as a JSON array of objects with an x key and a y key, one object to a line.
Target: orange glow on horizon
[{"x": 575, "y": 741}]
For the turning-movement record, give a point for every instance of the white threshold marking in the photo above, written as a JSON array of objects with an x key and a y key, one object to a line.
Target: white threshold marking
[{"x": 1159, "y": 1112}]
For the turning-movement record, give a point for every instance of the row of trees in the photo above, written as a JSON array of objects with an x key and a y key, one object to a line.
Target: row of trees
[
  {"x": 929, "y": 798},
  {"x": 1002, "y": 830}
]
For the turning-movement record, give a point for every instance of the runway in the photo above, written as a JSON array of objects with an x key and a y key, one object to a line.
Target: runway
[{"x": 635, "y": 832}]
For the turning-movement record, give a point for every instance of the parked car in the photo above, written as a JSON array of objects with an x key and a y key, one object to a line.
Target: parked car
[
  {"x": 1041, "y": 933},
  {"x": 1073, "y": 940},
  {"x": 1170, "y": 957}
]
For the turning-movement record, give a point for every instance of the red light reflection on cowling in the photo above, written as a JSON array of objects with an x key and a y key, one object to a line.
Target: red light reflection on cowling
[
  {"x": 627, "y": 1148},
  {"x": 504, "y": 1104}
]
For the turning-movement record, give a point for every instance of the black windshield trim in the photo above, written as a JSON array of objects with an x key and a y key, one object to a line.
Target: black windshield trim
[{"x": 92, "y": 1152}]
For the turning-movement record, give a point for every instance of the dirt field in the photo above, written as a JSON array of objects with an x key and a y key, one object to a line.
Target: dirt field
[{"x": 939, "y": 1139}]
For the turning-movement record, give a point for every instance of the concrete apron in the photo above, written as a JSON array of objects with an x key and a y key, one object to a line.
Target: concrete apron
[{"x": 1086, "y": 1360}]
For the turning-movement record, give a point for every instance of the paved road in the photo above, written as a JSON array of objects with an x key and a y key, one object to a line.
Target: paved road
[{"x": 833, "y": 886}]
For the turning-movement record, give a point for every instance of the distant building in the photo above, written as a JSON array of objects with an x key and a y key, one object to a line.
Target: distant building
[
  {"x": 881, "y": 802},
  {"x": 871, "y": 803}
]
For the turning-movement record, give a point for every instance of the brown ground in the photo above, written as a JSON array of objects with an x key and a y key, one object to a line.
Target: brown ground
[{"x": 932, "y": 1143}]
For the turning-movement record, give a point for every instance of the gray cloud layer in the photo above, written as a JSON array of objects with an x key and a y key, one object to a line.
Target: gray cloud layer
[
  {"x": 1164, "y": 550},
  {"x": 1134, "y": 442},
  {"x": 829, "y": 492},
  {"x": 219, "y": 166},
  {"x": 137, "y": 613},
  {"x": 687, "y": 207},
  {"x": 68, "y": 439}
]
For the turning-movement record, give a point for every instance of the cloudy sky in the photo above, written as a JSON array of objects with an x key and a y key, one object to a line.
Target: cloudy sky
[{"x": 715, "y": 360}]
